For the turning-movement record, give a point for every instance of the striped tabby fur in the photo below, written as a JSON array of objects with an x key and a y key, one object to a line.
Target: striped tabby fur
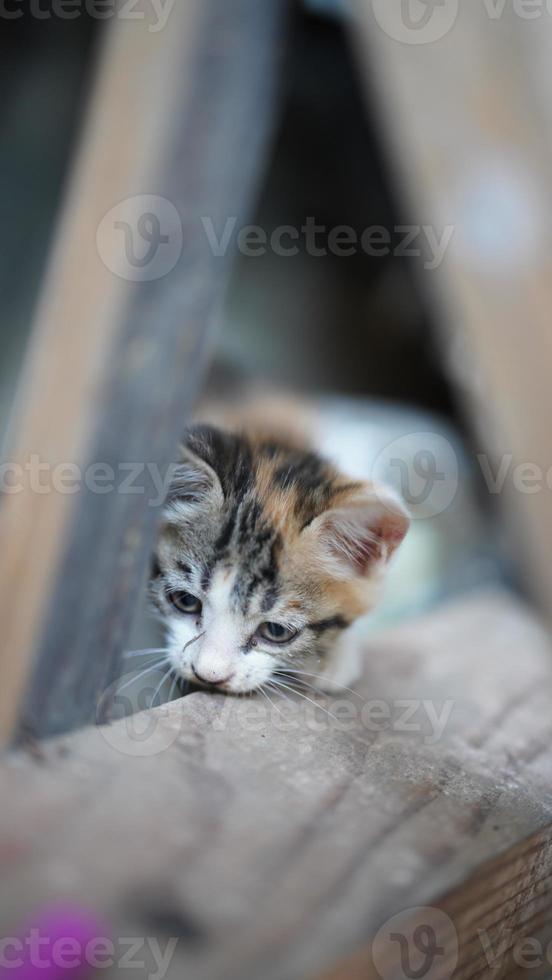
[{"x": 267, "y": 555}]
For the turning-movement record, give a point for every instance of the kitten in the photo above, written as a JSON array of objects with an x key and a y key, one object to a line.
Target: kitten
[{"x": 266, "y": 557}]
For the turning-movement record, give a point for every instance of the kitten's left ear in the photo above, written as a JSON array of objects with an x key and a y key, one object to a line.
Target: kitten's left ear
[
  {"x": 361, "y": 534},
  {"x": 194, "y": 481}
]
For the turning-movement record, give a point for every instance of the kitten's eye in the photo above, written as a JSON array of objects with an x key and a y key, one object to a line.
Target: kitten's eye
[
  {"x": 277, "y": 633},
  {"x": 185, "y": 602}
]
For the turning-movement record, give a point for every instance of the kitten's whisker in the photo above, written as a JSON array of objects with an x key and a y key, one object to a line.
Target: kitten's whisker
[
  {"x": 301, "y": 695},
  {"x": 270, "y": 701},
  {"x": 144, "y": 653},
  {"x": 306, "y": 673},
  {"x": 262, "y": 691},
  {"x": 148, "y": 670},
  {"x": 299, "y": 680},
  {"x": 172, "y": 687},
  {"x": 281, "y": 694},
  {"x": 184, "y": 689},
  {"x": 160, "y": 685}
]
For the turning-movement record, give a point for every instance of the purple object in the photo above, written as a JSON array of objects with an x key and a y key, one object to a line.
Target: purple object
[{"x": 59, "y": 943}]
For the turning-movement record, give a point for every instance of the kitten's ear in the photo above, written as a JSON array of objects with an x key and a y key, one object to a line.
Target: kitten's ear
[
  {"x": 361, "y": 534},
  {"x": 194, "y": 483}
]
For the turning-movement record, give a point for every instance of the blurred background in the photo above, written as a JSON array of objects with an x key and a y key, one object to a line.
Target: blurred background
[
  {"x": 359, "y": 332},
  {"x": 425, "y": 360}
]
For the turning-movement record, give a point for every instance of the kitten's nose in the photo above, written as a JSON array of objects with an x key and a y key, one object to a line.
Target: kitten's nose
[{"x": 213, "y": 680}]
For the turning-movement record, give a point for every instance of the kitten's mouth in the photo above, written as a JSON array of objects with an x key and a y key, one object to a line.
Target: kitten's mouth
[
  {"x": 186, "y": 685},
  {"x": 191, "y": 679},
  {"x": 214, "y": 684}
]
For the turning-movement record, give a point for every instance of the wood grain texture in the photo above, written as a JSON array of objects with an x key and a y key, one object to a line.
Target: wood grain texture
[
  {"x": 186, "y": 114},
  {"x": 276, "y": 841},
  {"x": 496, "y": 925},
  {"x": 466, "y": 121}
]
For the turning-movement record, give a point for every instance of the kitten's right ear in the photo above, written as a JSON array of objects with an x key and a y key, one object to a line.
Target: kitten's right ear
[
  {"x": 360, "y": 535},
  {"x": 193, "y": 484}
]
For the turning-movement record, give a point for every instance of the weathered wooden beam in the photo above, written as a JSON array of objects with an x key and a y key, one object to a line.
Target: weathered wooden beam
[
  {"x": 276, "y": 841},
  {"x": 462, "y": 91},
  {"x": 179, "y": 124}
]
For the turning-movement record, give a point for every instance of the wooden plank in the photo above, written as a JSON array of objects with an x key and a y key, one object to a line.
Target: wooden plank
[
  {"x": 484, "y": 923},
  {"x": 465, "y": 113},
  {"x": 183, "y": 114},
  {"x": 276, "y": 841}
]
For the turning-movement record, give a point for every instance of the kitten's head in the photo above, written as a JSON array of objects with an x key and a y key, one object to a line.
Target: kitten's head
[{"x": 266, "y": 553}]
